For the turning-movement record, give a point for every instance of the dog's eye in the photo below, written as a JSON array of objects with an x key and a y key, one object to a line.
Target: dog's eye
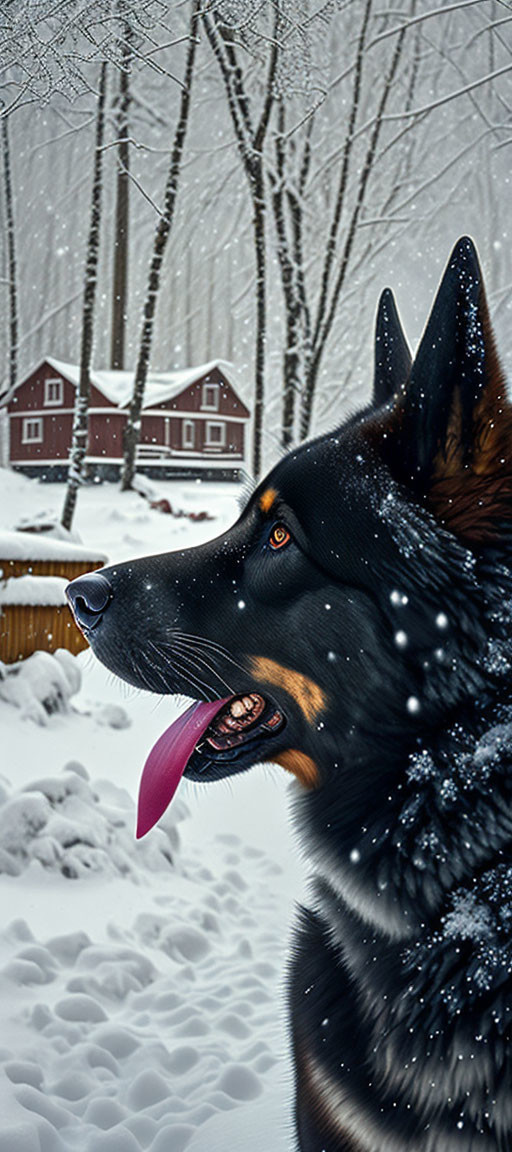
[{"x": 279, "y": 536}]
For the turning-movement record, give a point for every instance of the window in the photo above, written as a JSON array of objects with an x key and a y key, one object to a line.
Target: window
[
  {"x": 188, "y": 434},
  {"x": 215, "y": 435},
  {"x": 53, "y": 392},
  {"x": 211, "y": 397},
  {"x": 32, "y": 432}
]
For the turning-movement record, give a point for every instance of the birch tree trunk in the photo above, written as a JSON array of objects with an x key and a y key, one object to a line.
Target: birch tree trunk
[
  {"x": 259, "y": 208},
  {"x": 287, "y": 207},
  {"x": 11, "y": 256},
  {"x": 121, "y": 226},
  {"x": 133, "y": 423},
  {"x": 80, "y": 419},
  {"x": 250, "y": 141},
  {"x": 188, "y": 305}
]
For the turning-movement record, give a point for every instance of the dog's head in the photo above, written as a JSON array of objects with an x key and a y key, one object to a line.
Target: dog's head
[{"x": 344, "y": 605}]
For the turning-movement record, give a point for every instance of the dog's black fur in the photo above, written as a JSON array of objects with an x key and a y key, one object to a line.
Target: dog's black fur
[{"x": 378, "y": 620}]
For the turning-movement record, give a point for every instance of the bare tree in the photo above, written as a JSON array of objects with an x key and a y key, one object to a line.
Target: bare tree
[
  {"x": 163, "y": 231},
  {"x": 355, "y": 175},
  {"x": 121, "y": 226},
  {"x": 80, "y": 419},
  {"x": 47, "y": 48},
  {"x": 334, "y": 214},
  {"x": 328, "y": 303},
  {"x": 287, "y": 204},
  {"x": 250, "y": 135},
  {"x": 10, "y": 229},
  {"x": 309, "y": 325}
]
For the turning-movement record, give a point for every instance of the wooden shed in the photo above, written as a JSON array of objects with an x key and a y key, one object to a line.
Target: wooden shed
[{"x": 34, "y": 615}]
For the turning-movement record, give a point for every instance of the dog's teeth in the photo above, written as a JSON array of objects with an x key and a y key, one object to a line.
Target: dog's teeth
[
  {"x": 230, "y": 722},
  {"x": 248, "y": 702},
  {"x": 238, "y": 708}
]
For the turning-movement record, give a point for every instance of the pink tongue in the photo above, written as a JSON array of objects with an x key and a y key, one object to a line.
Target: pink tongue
[{"x": 167, "y": 761}]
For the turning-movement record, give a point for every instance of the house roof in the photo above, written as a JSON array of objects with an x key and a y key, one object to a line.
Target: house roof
[{"x": 117, "y": 385}]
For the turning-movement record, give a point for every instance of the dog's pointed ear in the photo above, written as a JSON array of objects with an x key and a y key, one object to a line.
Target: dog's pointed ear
[
  {"x": 449, "y": 436},
  {"x": 392, "y": 358}
]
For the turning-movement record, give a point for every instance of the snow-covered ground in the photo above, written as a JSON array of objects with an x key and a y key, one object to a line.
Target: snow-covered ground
[{"x": 142, "y": 984}]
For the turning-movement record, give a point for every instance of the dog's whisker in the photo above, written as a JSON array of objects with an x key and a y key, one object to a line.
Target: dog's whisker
[
  {"x": 194, "y": 650},
  {"x": 167, "y": 682},
  {"x": 157, "y": 683},
  {"x": 205, "y": 643},
  {"x": 132, "y": 669},
  {"x": 154, "y": 669},
  {"x": 143, "y": 676},
  {"x": 225, "y": 656},
  {"x": 179, "y": 664},
  {"x": 195, "y": 642},
  {"x": 206, "y": 668},
  {"x": 186, "y": 667},
  {"x": 204, "y": 663},
  {"x": 195, "y": 682}
]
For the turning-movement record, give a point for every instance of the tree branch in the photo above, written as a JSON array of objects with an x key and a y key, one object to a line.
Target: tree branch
[
  {"x": 338, "y": 206},
  {"x": 351, "y": 233}
]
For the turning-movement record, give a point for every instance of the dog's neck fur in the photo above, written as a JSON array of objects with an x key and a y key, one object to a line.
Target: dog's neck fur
[{"x": 416, "y": 898}]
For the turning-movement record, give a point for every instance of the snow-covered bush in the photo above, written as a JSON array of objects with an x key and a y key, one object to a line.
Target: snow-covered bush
[
  {"x": 70, "y": 826},
  {"x": 41, "y": 685},
  {"x": 47, "y": 524}
]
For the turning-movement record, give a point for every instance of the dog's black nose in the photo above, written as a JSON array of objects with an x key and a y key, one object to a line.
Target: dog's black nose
[{"x": 88, "y": 597}]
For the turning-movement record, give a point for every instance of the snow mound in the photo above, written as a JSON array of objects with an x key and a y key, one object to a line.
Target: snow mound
[
  {"x": 143, "y": 485},
  {"x": 68, "y": 826},
  {"x": 48, "y": 525},
  {"x": 143, "y": 1040},
  {"x": 112, "y": 716},
  {"x": 41, "y": 685}
]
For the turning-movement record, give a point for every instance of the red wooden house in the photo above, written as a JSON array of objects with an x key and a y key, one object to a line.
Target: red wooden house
[{"x": 193, "y": 422}]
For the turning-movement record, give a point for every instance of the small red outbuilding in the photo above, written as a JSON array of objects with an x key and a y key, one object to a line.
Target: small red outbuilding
[{"x": 193, "y": 421}]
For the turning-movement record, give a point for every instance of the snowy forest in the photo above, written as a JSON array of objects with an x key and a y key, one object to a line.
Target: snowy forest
[
  {"x": 186, "y": 183},
  {"x": 247, "y": 178}
]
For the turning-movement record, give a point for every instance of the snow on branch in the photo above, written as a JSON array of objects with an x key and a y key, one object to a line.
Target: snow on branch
[
  {"x": 47, "y": 48},
  {"x": 421, "y": 17},
  {"x": 487, "y": 79}
]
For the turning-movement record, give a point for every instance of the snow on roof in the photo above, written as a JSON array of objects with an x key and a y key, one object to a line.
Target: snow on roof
[
  {"x": 37, "y": 590},
  {"x": 117, "y": 385},
  {"x": 37, "y": 546}
]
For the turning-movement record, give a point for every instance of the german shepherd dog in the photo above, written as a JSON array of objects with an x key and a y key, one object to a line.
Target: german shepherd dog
[{"x": 355, "y": 627}]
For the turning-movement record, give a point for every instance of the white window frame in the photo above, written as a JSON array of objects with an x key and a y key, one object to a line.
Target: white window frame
[
  {"x": 188, "y": 434},
  {"x": 210, "y": 407},
  {"x": 25, "y": 438},
  {"x": 209, "y": 443},
  {"x": 53, "y": 403}
]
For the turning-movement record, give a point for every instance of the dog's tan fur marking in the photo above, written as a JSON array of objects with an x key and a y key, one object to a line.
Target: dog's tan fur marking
[
  {"x": 308, "y": 695},
  {"x": 302, "y": 766},
  {"x": 317, "y": 1094},
  {"x": 267, "y": 499},
  {"x": 473, "y": 496}
]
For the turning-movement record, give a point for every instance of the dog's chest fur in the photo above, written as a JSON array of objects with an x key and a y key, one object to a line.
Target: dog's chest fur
[{"x": 400, "y": 976}]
